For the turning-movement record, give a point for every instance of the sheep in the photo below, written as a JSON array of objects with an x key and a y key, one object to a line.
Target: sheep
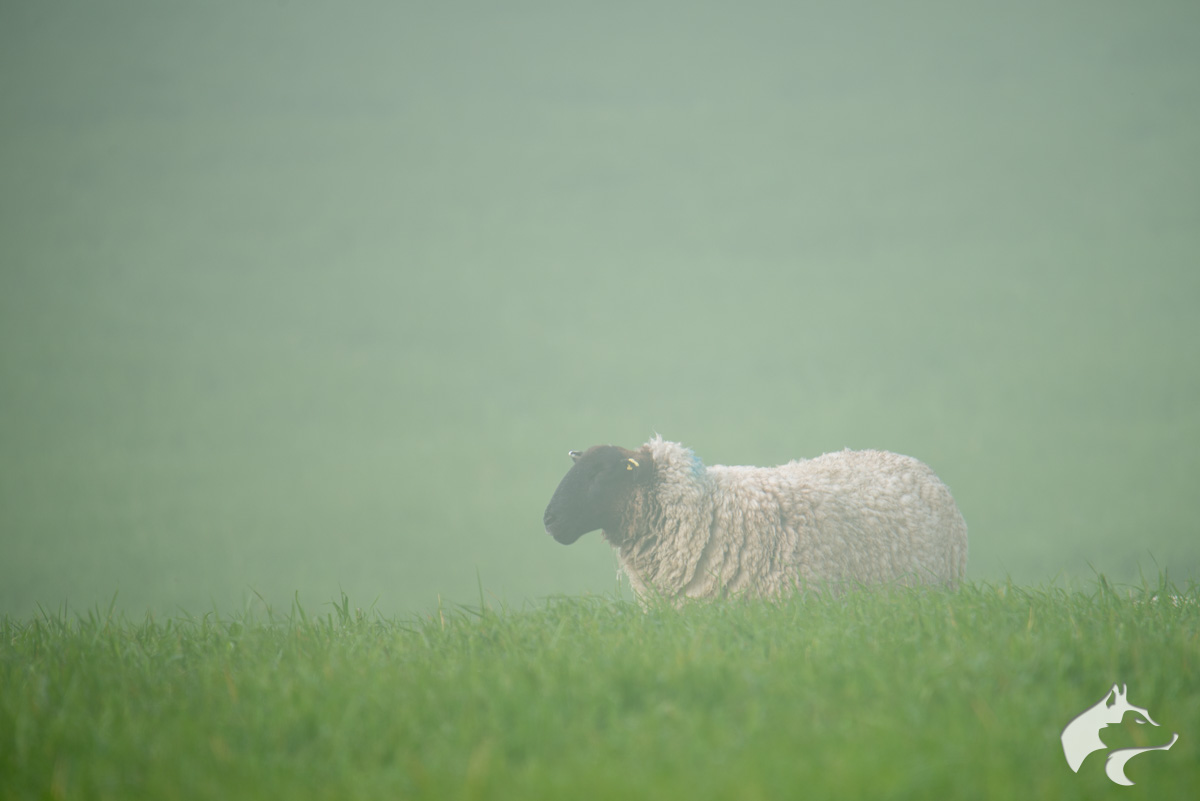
[{"x": 684, "y": 530}]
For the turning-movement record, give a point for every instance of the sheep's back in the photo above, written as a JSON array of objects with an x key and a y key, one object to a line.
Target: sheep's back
[{"x": 859, "y": 516}]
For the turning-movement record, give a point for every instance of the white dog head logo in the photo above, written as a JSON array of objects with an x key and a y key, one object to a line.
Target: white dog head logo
[{"x": 1082, "y": 735}]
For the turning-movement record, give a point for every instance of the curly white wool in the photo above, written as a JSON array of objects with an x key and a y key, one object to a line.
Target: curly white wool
[{"x": 843, "y": 519}]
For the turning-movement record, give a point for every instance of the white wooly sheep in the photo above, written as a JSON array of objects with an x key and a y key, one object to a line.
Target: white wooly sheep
[{"x": 840, "y": 520}]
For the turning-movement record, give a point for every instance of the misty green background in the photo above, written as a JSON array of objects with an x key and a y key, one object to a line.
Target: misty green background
[{"x": 301, "y": 297}]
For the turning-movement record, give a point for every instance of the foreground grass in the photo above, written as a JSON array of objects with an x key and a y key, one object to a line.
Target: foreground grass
[{"x": 915, "y": 694}]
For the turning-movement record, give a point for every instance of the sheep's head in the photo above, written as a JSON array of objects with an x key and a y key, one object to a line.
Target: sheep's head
[{"x": 596, "y": 491}]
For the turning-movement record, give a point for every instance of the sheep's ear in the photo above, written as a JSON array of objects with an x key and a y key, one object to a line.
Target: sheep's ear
[
  {"x": 631, "y": 464},
  {"x": 574, "y": 455}
]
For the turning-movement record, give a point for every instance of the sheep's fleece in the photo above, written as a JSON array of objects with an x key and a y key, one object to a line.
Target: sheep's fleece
[{"x": 836, "y": 521}]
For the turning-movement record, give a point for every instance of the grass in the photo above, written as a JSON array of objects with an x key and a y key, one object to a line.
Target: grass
[{"x": 902, "y": 694}]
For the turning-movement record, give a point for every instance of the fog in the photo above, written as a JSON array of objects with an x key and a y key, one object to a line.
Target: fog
[{"x": 303, "y": 298}]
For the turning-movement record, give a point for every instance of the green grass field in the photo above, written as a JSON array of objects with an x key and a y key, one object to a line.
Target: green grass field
[{"x": 907, "y": 694}]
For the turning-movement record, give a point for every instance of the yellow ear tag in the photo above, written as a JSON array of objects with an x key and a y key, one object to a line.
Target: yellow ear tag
[{"x": 632, "y": 464}]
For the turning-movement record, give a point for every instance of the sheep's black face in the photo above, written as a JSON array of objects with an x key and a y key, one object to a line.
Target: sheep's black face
[{"x": 593, "y": 493}]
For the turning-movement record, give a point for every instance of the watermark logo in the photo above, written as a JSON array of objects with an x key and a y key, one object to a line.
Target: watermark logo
[{"x": 1082, "y": 735}]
